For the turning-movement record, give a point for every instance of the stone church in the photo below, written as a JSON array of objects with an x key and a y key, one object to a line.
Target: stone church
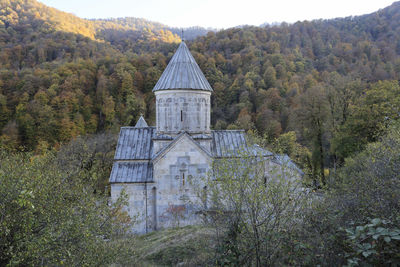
[{"x": 157, "y": 166}]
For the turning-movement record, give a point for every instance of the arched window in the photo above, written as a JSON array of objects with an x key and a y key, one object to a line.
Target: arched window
[
  {"x": 181, "y": 115},
  {"x": 183, "y": 179}
]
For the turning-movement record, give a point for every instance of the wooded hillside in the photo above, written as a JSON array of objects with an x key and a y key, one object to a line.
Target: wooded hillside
[{"x": 317, "y": 90}]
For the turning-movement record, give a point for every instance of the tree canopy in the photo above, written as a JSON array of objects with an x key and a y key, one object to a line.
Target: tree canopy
[{"x": 331, "y": 82}]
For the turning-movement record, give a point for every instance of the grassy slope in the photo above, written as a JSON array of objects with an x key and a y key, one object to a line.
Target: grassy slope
[{"x": 187, "y": 246}]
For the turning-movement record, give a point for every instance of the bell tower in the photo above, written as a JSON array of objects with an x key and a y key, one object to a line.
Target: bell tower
[{"x": 183, "y": 97}]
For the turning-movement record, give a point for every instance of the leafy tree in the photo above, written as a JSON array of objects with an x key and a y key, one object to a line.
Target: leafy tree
[
  {"x": 287, "y": 144},
  {"x": 270, "y": 77},
  {"x": 370, "y": 179},
  {"x": 251, "y": 211},
  {"x": 311, "y": 116},
  {"x": 244, "y": 120},
  {"x": 362, "y": 202},
  {"x": 370, "y": 117},
  {"x": 51, "y": 217},
  {"x": 4, "y": 111},
  {"x": 91, "y": 156}
]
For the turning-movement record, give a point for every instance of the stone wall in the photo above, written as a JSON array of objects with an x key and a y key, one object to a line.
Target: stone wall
[
  {"x": 174, "y": 198},
  {"x": 179, "y": 178},
  {"x": 183, "y": 110},
  {"x": 139, "y": 197}
]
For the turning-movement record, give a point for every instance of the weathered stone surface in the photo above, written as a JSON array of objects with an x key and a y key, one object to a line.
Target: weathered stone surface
[{"x": 183, "y": 110}]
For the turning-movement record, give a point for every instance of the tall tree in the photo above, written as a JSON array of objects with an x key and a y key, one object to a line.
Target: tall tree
[{"x": 311, "y": 116}]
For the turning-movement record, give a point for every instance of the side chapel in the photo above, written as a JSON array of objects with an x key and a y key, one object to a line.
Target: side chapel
[{"x": 157, "y": 165}]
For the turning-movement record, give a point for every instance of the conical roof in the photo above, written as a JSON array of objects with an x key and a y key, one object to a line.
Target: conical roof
[
  {"x": 141, "y": 123},
  {"x": 182, "y": 72}
]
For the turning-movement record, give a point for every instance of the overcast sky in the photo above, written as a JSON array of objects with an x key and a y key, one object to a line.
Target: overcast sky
[{"x": 218, "y": 13}]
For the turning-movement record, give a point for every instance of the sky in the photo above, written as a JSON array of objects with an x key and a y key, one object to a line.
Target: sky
[{"x": 218, "y": 13}]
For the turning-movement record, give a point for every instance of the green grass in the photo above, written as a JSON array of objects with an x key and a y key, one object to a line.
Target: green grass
[{"x": 186, "y": 246}]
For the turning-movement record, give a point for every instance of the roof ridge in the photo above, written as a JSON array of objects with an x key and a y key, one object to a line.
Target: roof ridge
[{"x": 173, "y": 142}]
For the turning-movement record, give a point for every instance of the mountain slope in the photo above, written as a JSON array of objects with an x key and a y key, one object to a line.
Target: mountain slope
[
  {"x": 46, "y": 19},
  {"x": 20, "y": 13},
  {"x": 35, "y": 26},
  {"x": 61, "y": 76}
]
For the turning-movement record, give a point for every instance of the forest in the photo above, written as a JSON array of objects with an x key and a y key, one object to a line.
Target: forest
[{"x": 325, "y": 92}]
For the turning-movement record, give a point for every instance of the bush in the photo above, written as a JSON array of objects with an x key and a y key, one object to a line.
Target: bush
[
  {"x": 376, "y": 243},
  {"x": 52, "y": 217}
]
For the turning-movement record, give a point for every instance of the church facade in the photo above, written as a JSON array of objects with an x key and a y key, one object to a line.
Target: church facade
[{"x": 158, "y": 166}]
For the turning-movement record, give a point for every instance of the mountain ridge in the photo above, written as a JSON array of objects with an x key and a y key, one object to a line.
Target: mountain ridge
[{"x": 68, "y": 22}]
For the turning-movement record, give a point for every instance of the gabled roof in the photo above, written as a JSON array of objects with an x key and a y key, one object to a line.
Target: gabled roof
[
  {"x": 182, "y": 72},
  {"x": 141, "y": 122},
  {"x": 135, "y": 143},
  {"x": 131, "y": 172},
  {"x": 174, "y": 142}
]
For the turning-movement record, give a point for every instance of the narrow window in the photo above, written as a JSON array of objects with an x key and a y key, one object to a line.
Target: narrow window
[
  {"x": 183, "y": 179},
  {"x": 154, "y": 208},
  {"x": 205, "y": 197},
  {"x": 181, "y": 115}
]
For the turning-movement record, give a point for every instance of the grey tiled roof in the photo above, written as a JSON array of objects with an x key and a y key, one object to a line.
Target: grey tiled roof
[
  {"x": 135, "y": 143},
  {"x": 131, "y": 172},
  {"x": 134, "y": 152},
  {"x": 226, "y": 143},
  {"x": 182, "y": 72}
]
